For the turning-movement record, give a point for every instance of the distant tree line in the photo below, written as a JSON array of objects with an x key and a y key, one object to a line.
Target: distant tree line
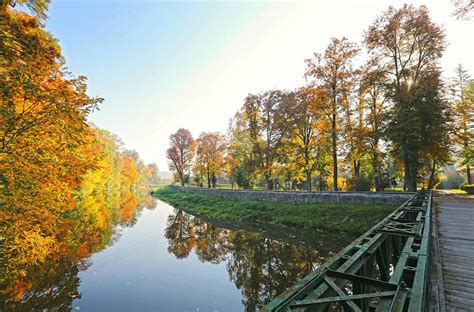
[{"x": 353, "y": 128}]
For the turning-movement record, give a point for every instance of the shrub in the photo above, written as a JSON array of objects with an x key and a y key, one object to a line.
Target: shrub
[
  {"x": 469, "y": 188},
  {"x": 359, "y": 183}
]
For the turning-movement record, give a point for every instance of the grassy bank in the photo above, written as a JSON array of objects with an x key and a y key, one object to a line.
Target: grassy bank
[{"x": 353, "y": 219}]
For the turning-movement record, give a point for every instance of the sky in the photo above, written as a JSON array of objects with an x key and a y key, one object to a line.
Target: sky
[{"x": 161, "y": 66}]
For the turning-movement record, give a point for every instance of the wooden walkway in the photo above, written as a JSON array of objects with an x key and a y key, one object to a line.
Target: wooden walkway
[{"x": 455, "y": 224}]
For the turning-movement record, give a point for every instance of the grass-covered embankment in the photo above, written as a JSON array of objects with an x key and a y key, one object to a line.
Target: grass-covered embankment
[{"x": 352, "y": 219}]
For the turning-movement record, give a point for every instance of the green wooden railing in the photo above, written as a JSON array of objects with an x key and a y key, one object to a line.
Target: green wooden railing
[{"x": 385, "y": 269}]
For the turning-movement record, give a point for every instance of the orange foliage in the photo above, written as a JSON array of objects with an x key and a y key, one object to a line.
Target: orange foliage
[
  {"x": 127, "y": 208},
  {"x": 61, "y": 181}
]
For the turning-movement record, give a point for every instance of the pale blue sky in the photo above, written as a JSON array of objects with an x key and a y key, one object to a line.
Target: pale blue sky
[{"x": 165, "y": 65}]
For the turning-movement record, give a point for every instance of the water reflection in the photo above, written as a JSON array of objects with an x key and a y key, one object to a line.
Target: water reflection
[
  {"x": 153, "y": 264},
  {"x": 260, "y": 267},
  {"x": 93, "y": 226}
]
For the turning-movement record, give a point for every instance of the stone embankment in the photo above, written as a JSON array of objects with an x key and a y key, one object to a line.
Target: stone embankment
[{"x": 303, "y": 197}]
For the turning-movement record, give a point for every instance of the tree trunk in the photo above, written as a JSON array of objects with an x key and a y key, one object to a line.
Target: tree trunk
[
  {"x": 377, "y": 183},
  {"x": 269, "y": 183},
  {"x": 181, "y": 178},
  {"x": 413, "y": 175},
  {"x": 411, "y": 170},
  {"x": 308, "y": 180},
  {"x": 334, "y": 154},
  {"x": 406, "y": 164},
  {"x": 208, "y": 179},
  {"x": 213, "y": 179},
  {"x": 377, "y": 177},
  {"x": 410, "y": 175},
  {"x": 356, "y": 167},
  {"x": 468, "y": 172},
  {"x": 432, "y": 175},
  {"x": 380, "y": 180}
]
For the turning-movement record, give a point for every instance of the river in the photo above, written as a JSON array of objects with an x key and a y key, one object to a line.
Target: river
[{"x": 168, "y": 260}]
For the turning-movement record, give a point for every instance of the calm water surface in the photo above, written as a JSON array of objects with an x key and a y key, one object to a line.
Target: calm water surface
[
  {"x": 167, "y": 260},
  {"x": 171, "y": 261}
]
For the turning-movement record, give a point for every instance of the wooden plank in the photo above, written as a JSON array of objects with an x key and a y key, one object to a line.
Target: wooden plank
[
  {"x": 463, "y": 241},
  {"x": 456, "y": 241},
  {"x": 460, "y": 269},
  {"x": 458, "y": 259},
  {"x": 455, "y": 301},
  {"x": 461, "y": 285},
  {"x": 459, "y": 292}
]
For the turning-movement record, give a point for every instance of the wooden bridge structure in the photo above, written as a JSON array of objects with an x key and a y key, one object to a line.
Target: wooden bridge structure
[{"x": 389, "y": 268}]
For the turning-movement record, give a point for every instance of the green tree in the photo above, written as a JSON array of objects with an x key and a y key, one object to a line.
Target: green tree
[
  {"x": 265, "y": 120},
  {"x": 409, "y": 46},
  {"x": 436, "y": 120},
  {"x": 463, "y": 116},
  {"x": 240, "y": 162}
]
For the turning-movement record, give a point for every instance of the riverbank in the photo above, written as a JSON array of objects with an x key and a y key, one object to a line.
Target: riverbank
[{"x": 350, "y": 220}]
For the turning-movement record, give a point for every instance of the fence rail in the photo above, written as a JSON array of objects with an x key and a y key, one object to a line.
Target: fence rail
[{"x": 385, "y": 269}]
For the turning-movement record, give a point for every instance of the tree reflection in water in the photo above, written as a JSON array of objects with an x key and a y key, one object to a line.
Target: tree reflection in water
[
  {"x": 53, "y": 285},
  {"x": 260, "y": 267}
]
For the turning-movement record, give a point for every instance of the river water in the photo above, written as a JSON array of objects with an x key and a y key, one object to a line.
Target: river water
[{"x": 168, "y": 260}]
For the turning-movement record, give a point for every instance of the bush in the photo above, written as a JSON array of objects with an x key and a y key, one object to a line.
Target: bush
[
  {"x": 359, "y": 183},
  {"x": 469, "y": 189},
  {"x": 243, "y": 178}
]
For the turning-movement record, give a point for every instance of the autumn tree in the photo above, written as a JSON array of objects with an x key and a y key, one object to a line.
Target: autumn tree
[
  {"x": 409, "y": 46},
  {"x": 84, "y": 225},
  {"x": 264, "y": 118},
  {"x": 128, "y": 169},
  {"x": 463, "y": 9},
  {"x": 59, "y": 176},
  {"x": 331, "y": 72},
  {"x": 153, "y": 173},
  {"x": 240, "y": 161},
  {"x": 372, "y": 93},
  {"x": 43, "y": 135},
  {"x": 305, "y": 129},
  {"x": 354, "y": 132},
  {"x": 211, "y": 154},
  {"x": 463, "y": 111},
  {"x": 38, "y": 7},
  {"x": 181, "y": 152}
]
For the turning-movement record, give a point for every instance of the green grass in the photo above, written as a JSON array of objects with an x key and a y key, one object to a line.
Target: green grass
[
  {"x": 394, "y": 189},
  {"x": 458, "y": 192},
  {"x": 352, "y": 219}
]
